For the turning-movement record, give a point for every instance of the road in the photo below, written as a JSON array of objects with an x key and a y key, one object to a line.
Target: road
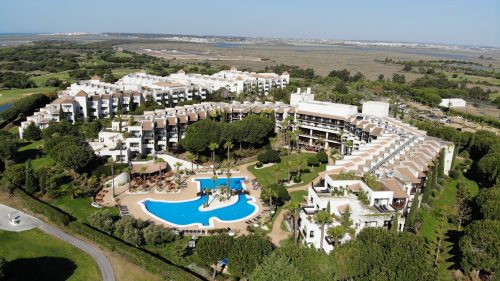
[{"x": 28, "y": 222}]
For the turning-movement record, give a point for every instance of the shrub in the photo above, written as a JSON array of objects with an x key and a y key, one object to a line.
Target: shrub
[
  {"x": 55, "y": 215},
  {"x": 296, "y": 179},
  {"x": 454, "y": 174},
  {"x": 258, "y": 164},
  {"x": 312, "y": 160},
  {"x": 32, "y": 132},
  {"x": 137, "y": 256},
  {"x": 322, "y": 157},
  {"x": 269, "y": 156}
]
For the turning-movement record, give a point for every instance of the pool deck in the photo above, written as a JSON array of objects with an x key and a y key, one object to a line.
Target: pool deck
[{"x": 135, "y": 209}]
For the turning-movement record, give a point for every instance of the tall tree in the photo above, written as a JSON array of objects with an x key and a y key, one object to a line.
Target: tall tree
[
  {"x": 322, "y": 218},
  {"x": 275, "y": 267},
  {"x": 29, "y": 182},
  {"x": 412, "y": 215}
]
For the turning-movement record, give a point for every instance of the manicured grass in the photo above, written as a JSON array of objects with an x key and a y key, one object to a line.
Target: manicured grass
[
  {"x": 266, "y": 176},
  {"x": 120, "y": 72},
  {"x": 34, "y": 255},
  {"x": 122, "y": 55},
  {"x": 40, "y": 80},
  {"x": 33, "y": 151},
  {"x": 8, "y": 96},
  {"x": 298, "y": 196},
  {"x": 430, "y": 225},
  {"x": 79, "y": 208}
]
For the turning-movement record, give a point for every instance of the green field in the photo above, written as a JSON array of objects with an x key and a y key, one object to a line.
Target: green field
[
  {"x": 33, "y": 151},
  {"x": 120, "y": 72},
  {"x": 40, "y": 80},
  {"x": 34, "y": 255},
  {"x": 298, "y": 196},
  {"x": 266, "y": 177},
  {"x": 430, "y": 225},
  {"x": 8, "y": 96},
  {"x": 79, "y": 208}
]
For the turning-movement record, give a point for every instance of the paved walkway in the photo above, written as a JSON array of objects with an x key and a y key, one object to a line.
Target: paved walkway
[
  {"x": 277, "y": 234},
  {"x": 29, "y": 222}
]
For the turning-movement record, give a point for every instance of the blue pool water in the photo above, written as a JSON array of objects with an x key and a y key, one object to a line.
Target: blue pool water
[
  {"x": 235, "y": 183},
  {"x": 188, "y": 213}
]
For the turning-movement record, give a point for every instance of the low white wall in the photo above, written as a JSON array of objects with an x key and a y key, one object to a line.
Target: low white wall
[
  {"x": 171, "y": 160},
  {"x": 121, "y": 179}
]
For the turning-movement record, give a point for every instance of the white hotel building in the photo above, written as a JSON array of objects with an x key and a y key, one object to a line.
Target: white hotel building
[{"x": 95, "y": 99}]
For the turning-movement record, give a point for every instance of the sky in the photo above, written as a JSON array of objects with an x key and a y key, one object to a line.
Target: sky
[{"x": 466, "y": 22}]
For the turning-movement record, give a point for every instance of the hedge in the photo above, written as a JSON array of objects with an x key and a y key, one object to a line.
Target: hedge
[
  {"x": 143, "y": 259},
  {"x": 55, "y": 215}
]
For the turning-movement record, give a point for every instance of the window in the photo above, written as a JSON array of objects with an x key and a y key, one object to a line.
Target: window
[{"x": 311, "y": 234}]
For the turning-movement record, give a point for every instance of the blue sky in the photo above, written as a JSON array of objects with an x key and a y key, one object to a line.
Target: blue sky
[{"x": 473, "y": 22}]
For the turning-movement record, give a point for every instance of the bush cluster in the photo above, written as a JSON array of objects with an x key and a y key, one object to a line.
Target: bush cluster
[{"x": 269, "y": 156}]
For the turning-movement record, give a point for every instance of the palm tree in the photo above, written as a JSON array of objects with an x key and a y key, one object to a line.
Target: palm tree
[
  {"x": 336, "y": 232},
  {"x": 143, "y": 174},
  {"x": 335, "y": 155},
  {"x": 207, "y": 193},
  {"x": 119, "y": 144},
  {"x": 228, "y": 175},
  {"x": 112, "y": 163},
  {"x": 128, "y": 170},
  {"x": 177, "y": 166},
  {"x": 213, "y": 146},
  {"x": 349, "y": 145},
  {"x": 273, "y": 140},
  {"x": 293, "y": 208},
  {"x": 323, "y": 218},
  {"x": 228, "y": 145},
  {"x": 214, "y": 179},
  {"x": 269, "y": 193},
  {"x": 191, "y": 157}
]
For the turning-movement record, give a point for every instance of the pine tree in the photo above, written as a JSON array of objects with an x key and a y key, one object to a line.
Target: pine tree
[
  {"x": 29, "y": 182},
  {"x": 441, "y": 164},
  {"x": 395, "y": 222},
  {"x": 428, "y": 187},
  {"x": 412, "y": 215}
]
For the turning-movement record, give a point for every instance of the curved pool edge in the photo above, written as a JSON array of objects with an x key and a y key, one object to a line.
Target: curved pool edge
[{"x": 211, "y": 220}]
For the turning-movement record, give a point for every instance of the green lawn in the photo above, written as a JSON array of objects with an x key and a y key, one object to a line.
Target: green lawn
[
  {"x": 430, "y": 224},
  {"x": 120, "y": 72},
  {"x": 80, "y": 208},
  {"x": 34, "y": 255},
  {"x": 40, "y": 80},
  {"x": 33, "y": 151},
  {"x": 266, "y": 176},
  {"x": 8, "y": 96},
  {"x": 298, "y": 196}
]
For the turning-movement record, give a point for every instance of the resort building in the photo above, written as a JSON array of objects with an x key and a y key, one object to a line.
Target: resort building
[
  {"x": 452, "y": 103},
  {"x": 94, "y": 99},
  {"x": 374, "y": 181}
]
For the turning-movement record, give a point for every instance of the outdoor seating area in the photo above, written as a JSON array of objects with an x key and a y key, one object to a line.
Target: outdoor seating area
[
  {"x": 123, "y": 210},
  {"x": 99, "y": 198}
]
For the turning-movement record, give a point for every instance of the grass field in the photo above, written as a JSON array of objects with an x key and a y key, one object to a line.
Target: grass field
[
  {"x": 120, "y": 72},
  {"x": 430, "y": 225},
  {"x": 80, "y": 208},
  {"x": 266, "y": 177},
  {"x": 34, "y": 255},
  {"x": 298, "y": 196},
  {"x": 40, "y": 80},
  {"x": 8, "y": 96},
  {"x": 33, "y": 151}
]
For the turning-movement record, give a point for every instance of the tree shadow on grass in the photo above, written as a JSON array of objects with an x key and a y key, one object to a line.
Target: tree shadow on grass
[
  {"x": 23, "y": 156},
  {"x": 453, "y": 236},
  {"x": 40, "y": 268}
]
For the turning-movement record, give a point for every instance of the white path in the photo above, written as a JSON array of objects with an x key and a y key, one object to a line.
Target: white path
[{"x": 29, "y": 222}]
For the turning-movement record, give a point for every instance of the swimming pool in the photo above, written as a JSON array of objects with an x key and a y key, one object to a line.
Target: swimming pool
[
  {"x": 235, "y": 183},
  {"x": 187, "y": 213}
]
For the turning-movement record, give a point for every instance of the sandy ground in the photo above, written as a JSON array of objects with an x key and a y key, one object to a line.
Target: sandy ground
[{"x": 131, "y": 201}]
